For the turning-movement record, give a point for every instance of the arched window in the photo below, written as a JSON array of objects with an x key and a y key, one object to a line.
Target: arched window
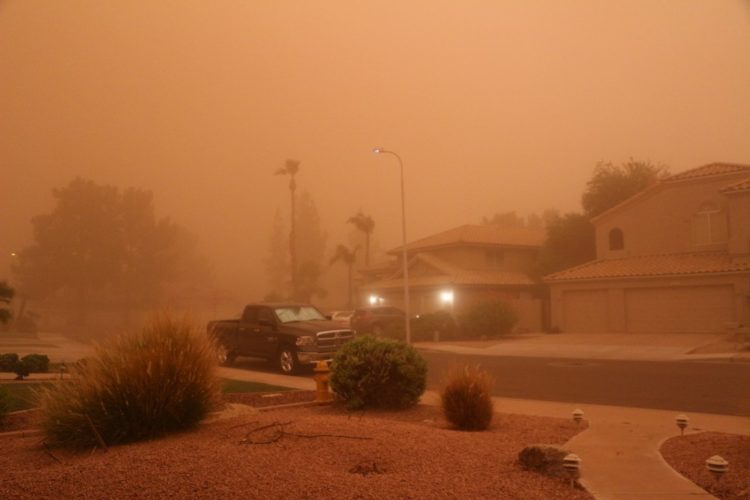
[
  {"x": 616, "y": 239},
  {"x": 709, "y": 224}
]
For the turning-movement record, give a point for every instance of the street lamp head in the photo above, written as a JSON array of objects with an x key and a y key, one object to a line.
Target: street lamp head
[{"x": 377, "y": 150}]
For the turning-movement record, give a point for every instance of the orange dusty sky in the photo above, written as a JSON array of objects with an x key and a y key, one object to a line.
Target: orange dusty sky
[{"x": 493, "y": 105}]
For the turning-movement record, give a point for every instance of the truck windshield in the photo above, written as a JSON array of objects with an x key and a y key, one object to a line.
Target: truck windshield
[{"x": 304, "y": 313}]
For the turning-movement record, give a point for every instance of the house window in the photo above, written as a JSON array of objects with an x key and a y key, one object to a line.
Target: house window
[
  {"x": 616, "y": 239},
  {"x": 494, "y": 258},
  {"x": 709, "y": 225}
]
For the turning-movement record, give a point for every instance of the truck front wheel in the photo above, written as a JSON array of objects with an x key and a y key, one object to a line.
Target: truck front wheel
[
  {"x": 287, "y": 360},
  {"x": 225, "y": 356}
]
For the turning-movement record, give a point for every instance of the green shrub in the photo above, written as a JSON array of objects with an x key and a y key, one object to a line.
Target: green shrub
[
  {"x": 8, "y": 362},
  {"x": 36, "y": 363},
  {"x": 426, "y": 325},
  {"x": 31, "y": 363},
  {"x": 4, "y": 403},
  {"x": 423, "y": 327},
  {"x": 489, "y": 319},
  {"x": 134, "y": 387},
  {"x": 378, "y": 373},
  {"x": 467, "y": 399}
]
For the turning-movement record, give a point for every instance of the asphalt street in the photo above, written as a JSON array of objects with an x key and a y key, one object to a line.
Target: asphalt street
[{"x": 721, "y": 387}]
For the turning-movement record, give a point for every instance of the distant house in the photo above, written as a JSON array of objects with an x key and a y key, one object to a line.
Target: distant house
[
  {"x": 454, "y": 269},
  {"x": 673, "y": 258}
]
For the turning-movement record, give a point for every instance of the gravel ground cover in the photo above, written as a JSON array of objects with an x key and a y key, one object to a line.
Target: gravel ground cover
[
  {"x": 263, "y": 399},
  {"x": 688, "y": 454},
  {"x": 303, "y": 452}
]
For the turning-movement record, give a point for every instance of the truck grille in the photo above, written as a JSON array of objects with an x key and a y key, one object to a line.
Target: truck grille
[{"x": 331, "y": 340}]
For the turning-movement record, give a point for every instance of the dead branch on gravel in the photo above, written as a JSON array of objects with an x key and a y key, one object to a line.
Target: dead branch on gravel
[
  {"x": 326, "y": 435},
  {"x": 276, "y": 430},
  {"x": 242, "y": 425},
  {"x": 99, "y": 438},
  {"x": 49, "y": 453}
]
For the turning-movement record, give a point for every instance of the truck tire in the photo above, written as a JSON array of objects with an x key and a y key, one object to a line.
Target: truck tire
[
  {"x": 287, "y": 361},
  {"x": 225, "y": 356}
]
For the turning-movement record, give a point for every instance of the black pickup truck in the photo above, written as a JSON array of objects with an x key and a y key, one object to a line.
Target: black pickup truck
[{"x": 288, "y": 335}]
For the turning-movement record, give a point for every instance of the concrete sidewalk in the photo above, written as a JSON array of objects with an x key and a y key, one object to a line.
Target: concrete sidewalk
[{"x": 619, "y": 451}]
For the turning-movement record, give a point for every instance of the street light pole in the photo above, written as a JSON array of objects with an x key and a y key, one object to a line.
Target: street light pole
[{"x": 403, "y": 238}]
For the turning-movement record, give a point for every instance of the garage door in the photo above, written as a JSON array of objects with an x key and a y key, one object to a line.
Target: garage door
[
  {"x": 585, "y": 311},
  {"x": 686, "y": 309}
]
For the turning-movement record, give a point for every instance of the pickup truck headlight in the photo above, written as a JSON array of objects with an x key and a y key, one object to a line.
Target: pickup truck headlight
[{"x": 306, "y": 340}]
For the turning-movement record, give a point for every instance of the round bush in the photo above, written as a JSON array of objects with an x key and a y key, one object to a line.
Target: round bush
[
  {"x": 425, "y": 326},
  {"x": 4, "y": 403},
  {"x": 467, "y": 399},
  {"x": 378, "y": 373},
  {"x": 489, "y": 319},
  {"x": 8, "y": 362},
  {"x": 36, "y": 363},
  {"x": 135, "y": 387}
]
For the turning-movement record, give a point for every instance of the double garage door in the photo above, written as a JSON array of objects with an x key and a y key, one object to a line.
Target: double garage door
[{"x": 646, "y": 310}]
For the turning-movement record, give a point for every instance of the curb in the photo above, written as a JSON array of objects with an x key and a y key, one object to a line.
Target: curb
[{"x": 21, "y": 434}]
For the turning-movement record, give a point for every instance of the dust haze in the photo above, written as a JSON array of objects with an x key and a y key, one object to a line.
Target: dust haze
[{"x": 493, "y": 106}]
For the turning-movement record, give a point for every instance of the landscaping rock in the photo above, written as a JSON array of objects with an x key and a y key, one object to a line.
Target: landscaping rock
[{"x": 545, "y": 459}]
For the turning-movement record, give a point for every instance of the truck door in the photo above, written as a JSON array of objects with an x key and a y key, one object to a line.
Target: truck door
[
  {"x": 256, "y": 332},
  {"x": 268, "y": 341},
  {"x": 248, "y": 331}
]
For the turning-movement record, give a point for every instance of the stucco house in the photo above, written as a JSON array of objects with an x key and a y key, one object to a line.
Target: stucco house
[
  {"x": 459, "y": 267},
  {"x": 673, "y": 258}
]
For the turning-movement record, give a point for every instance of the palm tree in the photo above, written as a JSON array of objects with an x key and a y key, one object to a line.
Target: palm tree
[
  {"x": 366, "y": 224},
  {"x": 291, "y": 168},
  {"x": 348, "y": 257},
  {"x": 6, "y": 294}
]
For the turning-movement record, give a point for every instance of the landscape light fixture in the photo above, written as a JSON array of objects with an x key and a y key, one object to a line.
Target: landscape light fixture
[
  {"x": 578, "y": 416},
  {"x": 407, "y": 316},
  {"x": 572, "y": 464},
  {"x": 682, "y": 423},
  {"x": 717, "y": 466}
]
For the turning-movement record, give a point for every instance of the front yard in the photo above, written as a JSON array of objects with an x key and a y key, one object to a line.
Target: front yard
[{"x": 310, "y": 452}]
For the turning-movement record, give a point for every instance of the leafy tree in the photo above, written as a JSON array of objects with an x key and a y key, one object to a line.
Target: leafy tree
[
  {"x": 310, "y": 249},
  {"x": 570, "y": 241},
  {"x": 366, "y": 224},
  {"x": 277, "y": 262},
  {"x": 98, "y": 240},
  {"x": 613, "y": 184},
  {"x": 308, "y": 285},
  {"x": 6, "y": 295},
  {"x": 505, "y": 219},
  {"x": 348, "y": 257},
  {"x": 291, "y": 168}
]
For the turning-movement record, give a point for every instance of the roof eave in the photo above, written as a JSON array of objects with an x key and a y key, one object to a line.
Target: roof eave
[{"x": 646, "y": 276}]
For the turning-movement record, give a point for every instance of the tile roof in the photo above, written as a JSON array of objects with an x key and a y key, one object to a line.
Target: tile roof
[
  {"x": 478, "y": 235},
  {"x": 654, "y": 265},
  {"x": 379, "y": 267},
  {"x": 712, "y": 169},
  {"x": 709, "y": 170},
  {"x": 740, "y": 186},
  {"x": 449, "y": 274}
]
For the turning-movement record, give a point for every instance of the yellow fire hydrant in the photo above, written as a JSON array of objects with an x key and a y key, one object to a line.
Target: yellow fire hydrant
[{"x": 322, "y": 394}]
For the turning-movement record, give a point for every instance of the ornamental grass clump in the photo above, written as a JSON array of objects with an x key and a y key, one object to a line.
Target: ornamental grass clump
[
  {"x": 134, "y": 387},
  {"x": 378, "y": 373},
  {"x": 467, "y": 398}
]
